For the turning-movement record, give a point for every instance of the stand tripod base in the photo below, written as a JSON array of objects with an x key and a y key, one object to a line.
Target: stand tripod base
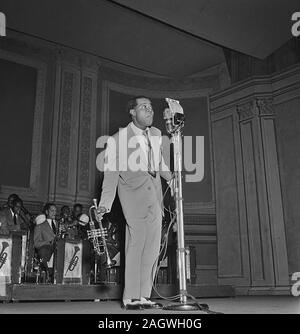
[{"x": 182, "y": 307}]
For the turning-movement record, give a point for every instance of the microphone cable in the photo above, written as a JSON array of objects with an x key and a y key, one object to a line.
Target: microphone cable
[{"x": 163, "y": 252}]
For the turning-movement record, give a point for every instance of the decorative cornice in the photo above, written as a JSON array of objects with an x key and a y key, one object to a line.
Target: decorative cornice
[
  {"x": 280, "y": 86},
  {"x": 246, "y": 110},
  {"x": 256, "y": 107},
  {"x": 265, "y": 106}
]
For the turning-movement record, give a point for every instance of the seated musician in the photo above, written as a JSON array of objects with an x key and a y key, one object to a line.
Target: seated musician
[
  {"x": 76, "y": 213},
  {"x": 45, "y": 235},
  {"x": 9, "y": 202},
  {"x": 12, "y": 218},
  {"x": 65, "y": 222},
  {"x": 65, "y": 215}
]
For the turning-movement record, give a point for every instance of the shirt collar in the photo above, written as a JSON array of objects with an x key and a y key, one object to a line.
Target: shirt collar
[{"x": 137, "y": 131}]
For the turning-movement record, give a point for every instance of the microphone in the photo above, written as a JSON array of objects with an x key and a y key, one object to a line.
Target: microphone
[
  {"x": 173, "y": 115},
  {"x": 168, "y": 117}
]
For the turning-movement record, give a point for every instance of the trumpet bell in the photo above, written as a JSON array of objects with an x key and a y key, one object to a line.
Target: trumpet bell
[{"x": 110, "y": 264}]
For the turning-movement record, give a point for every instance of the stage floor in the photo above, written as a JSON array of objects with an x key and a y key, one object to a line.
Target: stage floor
[{"x": 235, "y": 305}]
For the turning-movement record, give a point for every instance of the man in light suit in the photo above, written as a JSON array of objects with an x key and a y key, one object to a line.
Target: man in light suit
[
  {"x": 45, "y": 237},
  {"x": 136, "y": 176}
]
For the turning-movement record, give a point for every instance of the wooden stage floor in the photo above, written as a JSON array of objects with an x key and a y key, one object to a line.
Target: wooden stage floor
[
  {"x": 229, "y": 305},
  {"x": 108, "y": 291}
]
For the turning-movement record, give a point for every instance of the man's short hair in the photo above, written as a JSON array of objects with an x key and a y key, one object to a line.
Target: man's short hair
[
  {"x": 77, "y": 205},
  {"x": 64, "y": 207},
  {"x": 47, "y": 206},
  {"x": 13, "y": 196},
  {"x": 16, "y": 201},
  {"x": 132, "y": 103}
]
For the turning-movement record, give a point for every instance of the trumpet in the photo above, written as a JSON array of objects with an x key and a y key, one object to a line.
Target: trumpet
[
  {"x": 74, "y": 260},
  {"x": 3, "y": 254},
  {"x": 98, "y": 236}
]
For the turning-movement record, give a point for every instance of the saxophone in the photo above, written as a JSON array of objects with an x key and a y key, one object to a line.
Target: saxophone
[{"x": 98, "y": 236}]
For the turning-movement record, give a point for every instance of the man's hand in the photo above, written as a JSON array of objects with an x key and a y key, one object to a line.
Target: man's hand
[
  {"x": 171, "y": 184},
  {"x": 101, "y": 210}
]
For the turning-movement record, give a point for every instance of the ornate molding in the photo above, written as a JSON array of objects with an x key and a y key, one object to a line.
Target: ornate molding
[
  {"x": 261, "y": 106},
  {"x": 265, "y": 106},
  {"x": 85, "y": 134},
  {"x": 65, "y": 129},
  {"x": 246, "y": 111},
  {"x": 76, "y": 58}
]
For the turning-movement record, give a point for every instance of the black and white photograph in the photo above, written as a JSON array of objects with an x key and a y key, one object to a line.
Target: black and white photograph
[{"x": 149, "y": 161}]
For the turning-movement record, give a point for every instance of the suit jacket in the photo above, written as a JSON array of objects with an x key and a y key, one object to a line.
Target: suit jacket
[
  {"x": 43, "y": 235},
  {"x": 137, "y": 189},
  {"x": 7, "y": 222}
]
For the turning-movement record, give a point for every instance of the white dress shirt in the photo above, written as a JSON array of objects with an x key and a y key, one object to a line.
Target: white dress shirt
[
  {"x": 155, "y": 145},
  {"x": 50, "y": 223}
]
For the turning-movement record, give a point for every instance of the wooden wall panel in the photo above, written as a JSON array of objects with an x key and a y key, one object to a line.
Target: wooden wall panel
[
  {"x": 252, "y": 169},
  {"x": 87, "y": 138},
  {"x": 233, "y": 264},
  {"x": 65, "y": 176}
]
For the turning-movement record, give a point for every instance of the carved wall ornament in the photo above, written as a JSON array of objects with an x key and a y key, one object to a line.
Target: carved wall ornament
[
  {"x": 265, "y": 106},
  {"x": 255, "y": 107},
  {"x": 247, "y": 110},
  {"x": 85, "y": 132},
  {"x": 65, "y": 129}
]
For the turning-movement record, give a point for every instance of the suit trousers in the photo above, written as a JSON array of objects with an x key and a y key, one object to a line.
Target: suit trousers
[{"x": 142, "y": 244}]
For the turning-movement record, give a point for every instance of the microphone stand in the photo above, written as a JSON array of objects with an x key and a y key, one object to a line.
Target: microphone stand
[{"x": 181, "y": 251}]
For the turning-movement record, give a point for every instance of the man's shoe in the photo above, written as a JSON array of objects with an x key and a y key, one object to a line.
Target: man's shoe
[
  {"x": 132, "y": 304},
  {"x": 148, "y": 304},
  {"x": 203, "y": 306}
]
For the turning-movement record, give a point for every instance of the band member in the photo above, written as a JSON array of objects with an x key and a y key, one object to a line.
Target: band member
[
  {"x": 45, "y": 237},
  {"x": 66, "y": 226},
  {"x": 65, "y": 214},
  {"x": 10, "y": 199},
  {"x": 77, "y": 211},
  {"x": 140, "y": 194},
  {"x": 11, "y": 218},
  {"x": 79, "y": 230}
]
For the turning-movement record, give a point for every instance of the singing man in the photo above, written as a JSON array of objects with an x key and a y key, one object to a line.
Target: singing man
[{"x": 135, "y": 174}]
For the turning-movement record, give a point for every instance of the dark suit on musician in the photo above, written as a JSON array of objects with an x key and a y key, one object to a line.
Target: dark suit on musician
[
  {"x": 9, "y": 223},
  {"x": 44, "y": 242}
]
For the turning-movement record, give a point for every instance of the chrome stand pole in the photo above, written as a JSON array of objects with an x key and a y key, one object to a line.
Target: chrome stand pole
[{"x": 181, "y": 252}]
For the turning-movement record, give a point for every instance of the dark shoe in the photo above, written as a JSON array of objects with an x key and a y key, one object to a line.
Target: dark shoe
[
  {"x": 203, "y": 306},
  {"x": 152, "y": 305},
  {"x": 132, "y": 305},
  {"x": 148, "y": 304}
]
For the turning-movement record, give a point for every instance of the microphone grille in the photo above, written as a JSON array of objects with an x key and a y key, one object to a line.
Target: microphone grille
[{"x": 167, "y": 113}]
